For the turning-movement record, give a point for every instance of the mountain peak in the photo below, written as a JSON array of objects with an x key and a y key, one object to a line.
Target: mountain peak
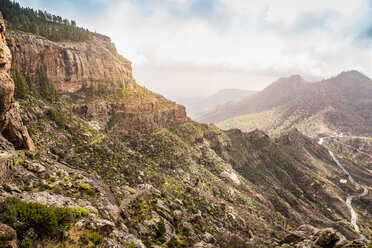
[{"x": 352, "y": 74}]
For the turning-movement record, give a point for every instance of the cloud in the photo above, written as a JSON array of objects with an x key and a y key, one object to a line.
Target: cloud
[{"x": 188, "y": 46}]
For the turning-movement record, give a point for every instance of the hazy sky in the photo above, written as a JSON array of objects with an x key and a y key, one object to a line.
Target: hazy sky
[{"x": 196, "y": 47}]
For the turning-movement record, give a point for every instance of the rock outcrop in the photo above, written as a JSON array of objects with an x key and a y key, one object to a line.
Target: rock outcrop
[
  {"x": 70, "y": 65},
  {"x": 125, "y": 118},
  {"x": 8, "y": 237},
  {"x": 307, "y": 236},
  {"x": 11, "y": 126}
]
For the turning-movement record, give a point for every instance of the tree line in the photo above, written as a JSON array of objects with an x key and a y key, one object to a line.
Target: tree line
[{"x": 52, "y": 27}]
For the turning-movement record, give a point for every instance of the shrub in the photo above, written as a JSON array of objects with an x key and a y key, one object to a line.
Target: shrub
[
  {"x": 95, "y": 238},
  {"x": 51, "y": 179},
  {"x": 84, "y": 186},
  {"x": 43, "y": 219},
  {"x": 80, "y": 212},
  {"x": 91, "y": 192},
  {"x": 161, "y": 228},
  {"x": 30, "y": 155}
]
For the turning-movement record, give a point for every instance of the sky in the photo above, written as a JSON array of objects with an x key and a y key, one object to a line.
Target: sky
[{"x": 197, "y": 47}]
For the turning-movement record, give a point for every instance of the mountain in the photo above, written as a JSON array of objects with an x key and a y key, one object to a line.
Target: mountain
[
  {"x": 341, "y": 104},
  {"x": 277, "y": 93},
  {"x": 104, "y": 162},
  {"x": 195, "y": 105}
]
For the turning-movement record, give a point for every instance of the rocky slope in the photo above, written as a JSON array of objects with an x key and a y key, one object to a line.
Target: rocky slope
[{"x": 11, "y": 126}]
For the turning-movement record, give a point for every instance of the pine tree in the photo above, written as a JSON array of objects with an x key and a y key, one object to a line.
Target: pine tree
[{"x": 21, "y": 88}]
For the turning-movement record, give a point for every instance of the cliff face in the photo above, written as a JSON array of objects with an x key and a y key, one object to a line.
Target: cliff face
[
  {"x": 11, "y": 126},
  {"x": 74, "y": 65},
  {"x": 70, "y": 65},
  {"x": 125, "y": 118}
]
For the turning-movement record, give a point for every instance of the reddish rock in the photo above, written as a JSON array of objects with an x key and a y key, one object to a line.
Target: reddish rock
[
  {"x": 70, "y": 65},
  {"x": 11, "y": 126}
]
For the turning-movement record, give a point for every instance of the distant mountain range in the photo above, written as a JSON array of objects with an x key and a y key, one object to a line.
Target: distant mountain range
[
  {"x": 341, "y": 104},
  {"x": 196, "y": 105}
]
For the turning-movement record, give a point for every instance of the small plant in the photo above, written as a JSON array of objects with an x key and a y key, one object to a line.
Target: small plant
[
  {"x": 80, "y": 212},
  {"x": 84, "y": 186},
  {"x": 30, "y": 155},
  {"x": 27, "y": 188},
  {"x": 51, "y": 179},
  {"x": 132, "y": 191},
  {"x": 91, "y": 192},
  {"x": 95, "y": 238}
]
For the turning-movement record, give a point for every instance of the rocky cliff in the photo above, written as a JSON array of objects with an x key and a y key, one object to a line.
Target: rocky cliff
[
  {"x": 11, "y": 126},
  {"x": 70, "y": 65},
  {"x": 75, "y": 66}
]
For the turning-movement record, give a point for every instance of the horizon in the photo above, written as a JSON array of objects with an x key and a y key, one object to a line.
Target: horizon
[{"x": 179, "y": 47}]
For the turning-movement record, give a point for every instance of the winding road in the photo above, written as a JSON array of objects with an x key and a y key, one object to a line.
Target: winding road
[{"x": 349, "y": 198}]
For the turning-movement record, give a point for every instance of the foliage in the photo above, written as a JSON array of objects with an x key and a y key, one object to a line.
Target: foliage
[
  {"x": 47, "y": 89},
  {"x": 57, "y": 115},
  {"x": 79, "y": 212},
  {"x": 42, "y": 23},
  {"x": 44, "y": 220},
  {"x": 84, "y": 186},
  {"x": 21, "y": 87},
  {"x": 95, "y": 237},
  {"x": 132, "y": 191}
]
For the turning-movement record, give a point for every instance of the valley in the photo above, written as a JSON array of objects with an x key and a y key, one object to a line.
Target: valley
[{"x": 90, "y": 158}]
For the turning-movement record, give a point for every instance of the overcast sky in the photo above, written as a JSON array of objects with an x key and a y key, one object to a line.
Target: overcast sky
[{"x": 196, "y": 47}]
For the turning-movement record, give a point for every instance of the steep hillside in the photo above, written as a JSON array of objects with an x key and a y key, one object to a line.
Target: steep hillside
[
  {"x": 277, "y": 93},
  {"x": 116, "y": 165},
  {"x": 194, "y": 105},
  {"x": 341, "y": 104}
]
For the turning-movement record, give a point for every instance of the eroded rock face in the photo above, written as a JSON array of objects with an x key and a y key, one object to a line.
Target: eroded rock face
[
  {"x": 11, "y": 126},
  {"x": 125, "y": 118},
  {"x": 70, "y": 65}
]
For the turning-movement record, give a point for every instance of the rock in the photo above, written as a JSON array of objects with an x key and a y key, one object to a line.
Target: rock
[
  {"x": 8, "y": 237},
  {"x": 10, "y": 188},
  {"x": 307, "y": 236},
  {"x": 208, "y": 238},
  {"x": 134, "y": 117},
  {"x": 36, "y": 167},
  {"x": 11, "y": 126},
  {"x": 5, "y": 145},
  {"x": 71, "y": 65},
  {"x": 202, "y": 244},
  {"x": 328, "y": 238}
]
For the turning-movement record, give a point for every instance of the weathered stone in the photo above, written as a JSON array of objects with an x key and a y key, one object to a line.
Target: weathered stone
[
  {"x": 10, "y": 187},
  {"x": 11, "y": 126},
  {"x": 207, "y": 237},
  {"x": 36, "y": 167},
  {"x": 70, "y": 65},
  {"x": 8, "y": 237}
]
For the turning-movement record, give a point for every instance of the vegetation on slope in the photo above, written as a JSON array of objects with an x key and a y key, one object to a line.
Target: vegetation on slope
[{"x": 42, "y": 23}]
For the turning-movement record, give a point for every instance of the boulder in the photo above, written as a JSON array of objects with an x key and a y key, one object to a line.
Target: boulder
[{"x": 8, "y": 237}]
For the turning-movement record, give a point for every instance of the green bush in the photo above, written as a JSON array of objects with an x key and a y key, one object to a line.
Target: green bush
[
  {"x": 42, "y": 218},
  {"x": 84, "y": 186},
  {"x": 132, "y": 191},
  {"x": 161, "y": 228},
  {"x": 80, "y": 212},
  {"x": 95, "y": 237},
  {"x": 30, "y": 155}
]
